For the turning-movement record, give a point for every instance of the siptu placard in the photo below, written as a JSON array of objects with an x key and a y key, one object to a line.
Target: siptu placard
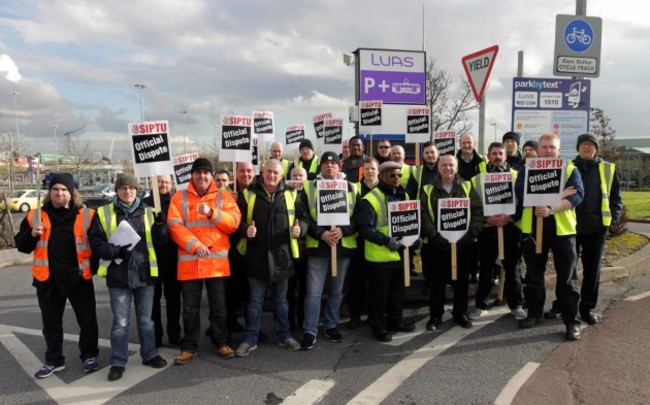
[
  {"x": 332, "y": 202},
  {"x": 295, "y": 134},
  {"x": 404, "y": 220},
  {"x": 183, "y": 169},
  {"x": 445, "y": 142},
  {"x": 151, "y": 148},
  {"x": 333, "y": 131},
  {"x": 418, "y": 128},
  {"x": 319, "y": 124},
  {"x": 263, "y": 125},
  {"x": 545, "y": 178},
  {"x": 453, "y": 218},
  {"x": 497, "y": 191},
  {"x": 370, "y": 113},
  {"x": 236, "y": 141},
  {"x": 255, "y": 152}
]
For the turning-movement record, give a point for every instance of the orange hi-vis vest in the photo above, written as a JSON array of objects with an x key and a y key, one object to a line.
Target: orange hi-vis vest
[{"x": 41, "y": 265}]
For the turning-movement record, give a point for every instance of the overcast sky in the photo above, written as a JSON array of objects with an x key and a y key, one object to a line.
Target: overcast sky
[{"x": 74, "y": 62}]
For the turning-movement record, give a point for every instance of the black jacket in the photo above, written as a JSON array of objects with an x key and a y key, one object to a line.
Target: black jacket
[
  {"x": 167, "y": 254},
  {"x": 134, "y": 271},
  {"x": 268, "y": 255},
  {"x": 414, "y": 184},
  {"x": 467, "y": 170}
]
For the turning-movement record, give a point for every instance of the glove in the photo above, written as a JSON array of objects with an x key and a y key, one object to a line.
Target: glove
[
  {"x": 417, "y": 244},
  {"x": 159, "y": 218},
  {"x": 465, "y": 241},
  {"x": 124, "y": 252},
  {"x": 394, "y": 245}
]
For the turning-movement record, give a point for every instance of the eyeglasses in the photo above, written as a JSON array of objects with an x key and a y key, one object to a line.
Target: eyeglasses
[
  {"x": 383, "y": 146},
  {"x": 393, "y": 175}
]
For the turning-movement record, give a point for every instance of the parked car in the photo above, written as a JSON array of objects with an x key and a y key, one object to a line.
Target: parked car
[
  {"x": 23, "y": 200},
  {"x": 101, "y": 194}
]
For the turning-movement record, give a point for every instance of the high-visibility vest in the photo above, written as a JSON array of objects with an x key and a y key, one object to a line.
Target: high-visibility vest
[
  {"x": 349, "y": 242},
  {"x": 606, "y": 172},
  {"x": 373, "y": 252},
  {"x": 108, "y": 220},
  {"x": 565, "y": 221},
  {"x": 285, "y": 167},
  {"x": 313, "y": 168},
  {"x": 407, "y": 172},
  {"x": 477, "y": 183},
  {"x": 41, "y": 265},
  {"x": 290, "y": 201}
]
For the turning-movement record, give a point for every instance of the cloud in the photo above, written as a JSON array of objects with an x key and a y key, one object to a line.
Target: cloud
[{"x": 9, "y": 69}]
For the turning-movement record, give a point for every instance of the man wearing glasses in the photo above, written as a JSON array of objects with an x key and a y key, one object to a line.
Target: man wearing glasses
[{"x": 383, "y": 151}]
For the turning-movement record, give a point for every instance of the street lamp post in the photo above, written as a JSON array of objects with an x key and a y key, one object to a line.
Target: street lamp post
[
  {"x": 11, "y": 144},
  {"x": 184, "y": 112},
  {"x": 140, "y": 87},
  {"x": 494, "y": 124},
  {"x": 56, "y": 146}
]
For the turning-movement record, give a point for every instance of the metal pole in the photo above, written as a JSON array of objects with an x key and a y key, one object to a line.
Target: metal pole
[
  {"x": 56, "y": 145},
  {"x": 481, "y": 124},
  {"x": 11, "y": 145},
  {"x": 140, "y": 87},
  {"x": 184, "y": 112},
  {"x": 581, "y": 7}
]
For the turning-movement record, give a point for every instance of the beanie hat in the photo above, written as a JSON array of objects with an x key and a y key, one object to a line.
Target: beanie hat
[
  {"x": 126, "y": 179},
  {"x": 330, "y": 156},
  {"x": 63, "y": 178},
  {"x": 202, "y": 164},
  {"x": 587, "y": 138},
  {"x": 511, "y": 135},
  {"x": 306, "y": 143},
  {"x": 532, "y": 144}
]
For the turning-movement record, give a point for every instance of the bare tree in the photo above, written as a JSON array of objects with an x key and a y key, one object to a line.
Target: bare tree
[
  {"x": 601, "y": 128},
  {"x": 79, "y": 152},
  {"x": 447, "y": 100},
  {"x": 10, "y": 147}
]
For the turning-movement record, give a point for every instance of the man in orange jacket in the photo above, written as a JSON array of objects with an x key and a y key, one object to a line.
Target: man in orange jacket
[{"x": 200, "y": 220}]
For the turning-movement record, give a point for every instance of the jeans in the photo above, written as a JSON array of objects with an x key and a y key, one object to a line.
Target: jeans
[
  {"x": 192, "y": 289},
  {"x": 257, "y": 292},
  {"x": 318, "y": 271},
  {"x": 121, "y": 306}
]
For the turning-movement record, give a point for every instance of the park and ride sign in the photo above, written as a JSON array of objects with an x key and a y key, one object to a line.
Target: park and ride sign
[{"x": 392, "y": 76}]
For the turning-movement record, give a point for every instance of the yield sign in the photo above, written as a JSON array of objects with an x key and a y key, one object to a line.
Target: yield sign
[{"x": 478, "y": 67}]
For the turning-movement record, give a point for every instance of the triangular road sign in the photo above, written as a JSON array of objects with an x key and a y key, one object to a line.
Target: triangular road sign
[{"x": 478, "y": 67}]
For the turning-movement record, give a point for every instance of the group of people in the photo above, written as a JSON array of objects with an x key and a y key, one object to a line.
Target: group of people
[{"x": 260, "y": 235}]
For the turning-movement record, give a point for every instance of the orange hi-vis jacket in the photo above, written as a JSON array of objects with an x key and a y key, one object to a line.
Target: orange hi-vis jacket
[
  {"x": 191, "y": 230},
  {"x": 41, "y": 266}
]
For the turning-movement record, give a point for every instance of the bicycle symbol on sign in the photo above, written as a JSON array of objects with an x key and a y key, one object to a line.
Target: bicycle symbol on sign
[{"x": 578, "y": 35}]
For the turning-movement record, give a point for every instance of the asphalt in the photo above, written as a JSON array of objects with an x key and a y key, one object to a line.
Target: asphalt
[{"x": 604, "y": 367}]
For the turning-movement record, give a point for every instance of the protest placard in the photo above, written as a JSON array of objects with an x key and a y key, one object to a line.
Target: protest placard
[
  {"x": 151, "y": 148},
  {"x": 332, "y": 203},
  {"x": 294, "y": 135},
  {"x": 183, "y": 169},
  {"x": 497, "y": 191},
  {"x": 263, "y": 125},
  {"x": 544, "y": 182},
  {"x": 453, "y": 224},
  {"x": 370, "y": 114},
  {"x": 236, "y": 139},
  {"x": 404, "y": 223},
  {"x": 418, "y": 128},
  {"x": 333, "y": 133},
  {"x": 255, "y": 157},
  {"x": 445, "y": 142},
  {"x": 319, "y": 124}
]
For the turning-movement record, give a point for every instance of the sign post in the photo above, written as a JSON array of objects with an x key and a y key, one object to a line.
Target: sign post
[{"x": 404, "y": 220}]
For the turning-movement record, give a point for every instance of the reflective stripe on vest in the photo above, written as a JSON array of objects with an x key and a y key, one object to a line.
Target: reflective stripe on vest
[
  {"x": 41, "y": 264},
  {"x": 108, "y": 220},
  {"x": 348, "y": 242},
  {"x": 606, "y": 172},
  {"x": 313, "y": 168},
  {"x": 372, "y": 251},
  {"x": 565, "y": 221},
  {"x": 290, "y": 202}
]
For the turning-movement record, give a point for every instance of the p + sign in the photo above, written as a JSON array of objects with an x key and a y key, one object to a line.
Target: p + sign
[
  {"x": 577, "y": 45},
  {"x": 478, "y": 66},
  {"x": 392, "y": 76}
]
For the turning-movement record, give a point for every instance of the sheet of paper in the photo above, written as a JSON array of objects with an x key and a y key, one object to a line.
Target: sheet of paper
[{"x": 123, "y": 235}]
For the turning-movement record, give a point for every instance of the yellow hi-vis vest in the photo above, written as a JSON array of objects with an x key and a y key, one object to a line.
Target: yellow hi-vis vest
[
  {"x": 348, "y": 242},
  {"x": 108, "y": 220},
  {"x": 407, "y": 172},
  {"x": 313, "y": 168},
  {"x": 285, "y": 167},
  {"x": 565, "y": 221},
  {"x": 372, "y": 251},
  {"x": 477, "y": 183},
  {"x": 465, "y": 185},
  {"x": 606, "y": 171},
  {"x": 290, "y": 201}
]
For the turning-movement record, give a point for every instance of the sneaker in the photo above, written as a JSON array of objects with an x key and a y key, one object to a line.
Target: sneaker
[
  {"x": 225, "y": 352},
  {"x": 47, "y": 370},
  {"x": 333, "y": 335},
  {"x": 184, "y": 357},
  {"x": 90, "y": 365},
  {"x": 290, "y": 344},
  {"x": 476, "y": 313},
  {"x": 433, "y": 324},
  {"x": 115, "y": 373},
  {"x": 308, "y": 342},
  {"x": 518, "y": 313},
  {"x": 245, "y": 349},
  {"x": 155, "y": 362}
]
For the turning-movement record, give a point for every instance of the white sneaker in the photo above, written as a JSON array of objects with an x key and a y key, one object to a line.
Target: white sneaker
[
  {"x": 518, "y": 313},
  {"x": 476, "y": 313},
  {"x": 244, "y": 349},
  {"x": 290, "y": 344}
]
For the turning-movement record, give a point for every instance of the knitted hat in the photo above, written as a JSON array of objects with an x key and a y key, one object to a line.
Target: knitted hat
[
  {"x": 306, "y": 143},
  {"x": 330, "y": 156},
  {"x": 531, "y": 143},
  {"x": 63, "y": 178},
  {"x": 511, "y": 135},
  {"x": 126, "y": 179},
  {"x": 586, "y": 138},
  {"x": 202, "y": 164}
]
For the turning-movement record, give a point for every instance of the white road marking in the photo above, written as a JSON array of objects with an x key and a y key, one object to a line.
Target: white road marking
[
  {"x": 379, "y": 390},
  {"x": 638, "y": 297},
  {"x": 420, "y": 328},
  {"x": 91, "y": 389},
  {"x": 310, "y": 393},
  {"x": 513, "y": 386}
]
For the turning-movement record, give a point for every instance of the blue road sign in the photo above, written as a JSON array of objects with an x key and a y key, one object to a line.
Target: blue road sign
[{"x": 578, "y": 35}]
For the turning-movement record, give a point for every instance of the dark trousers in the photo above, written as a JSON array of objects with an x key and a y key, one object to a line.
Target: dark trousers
[
  {"x": 358, "y": 277},
  {"x": 169, "y": 286},
  {"x": 236, "y": 287},
  {"x": 487, "y": 253},
  {"x": 590, "y": 248},
  {"x": 52, "y": 304},
  {"x": 192, "y": 290},
  {"x": 385, "y": 295},
  {"x": 297, "y": 289},
  {"x": 564, "y": 258},
  {"x": 441, "y": 276}
]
